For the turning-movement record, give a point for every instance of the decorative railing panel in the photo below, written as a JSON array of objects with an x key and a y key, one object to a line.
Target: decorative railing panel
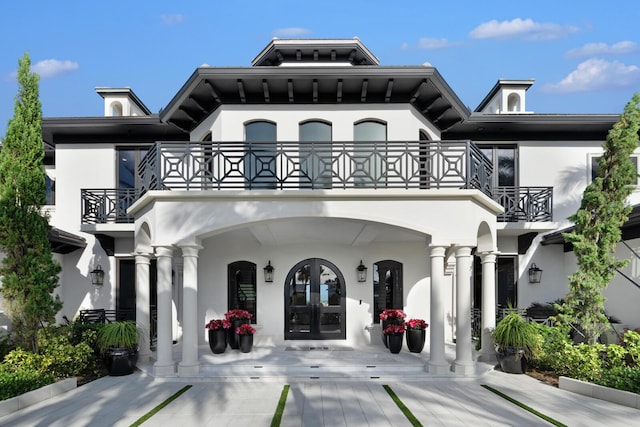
[
  {"x": 530, "y": 204},
  {"x": 101, "y": 206},
  {"x": 315, "y": 165}
]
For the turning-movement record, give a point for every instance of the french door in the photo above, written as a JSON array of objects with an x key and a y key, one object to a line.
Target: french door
[{"x": 314, "y": 300}]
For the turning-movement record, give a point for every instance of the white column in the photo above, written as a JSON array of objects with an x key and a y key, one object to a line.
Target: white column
[
  {"x": 464, "y": 363},
  {"x": 164, "y": 364},
  {"x": 487, "y": 352},
  {"x": 437, "y": 363},
  {"x": 189, "y": 363},
  {"x": 143, "y": 313}
]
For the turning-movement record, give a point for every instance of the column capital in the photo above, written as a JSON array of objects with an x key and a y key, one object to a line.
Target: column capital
[
  {"x": 190, "y": 250},
  {"x": 164, "y": 250},
  {"x": 488, "y": 257},
  {"x": 437, "y": 251},
  {"x": 463, "y": 251}
]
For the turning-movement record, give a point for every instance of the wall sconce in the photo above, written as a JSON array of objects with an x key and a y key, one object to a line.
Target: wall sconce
[
  {"x": 535, "y": 274},
  {"x": 97, "y": 276},
  {"x": 268, "y": 273},
  {"x": 362, "y": 272}
]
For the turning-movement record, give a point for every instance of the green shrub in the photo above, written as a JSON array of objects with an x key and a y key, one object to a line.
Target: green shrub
[
  {"x": 631, "y": 342},
  {"x": 554, "y": 341},
  {"x": 22, "y": 360},
  {"x": 622, "y": 378},
  {"x": 21, "y": 381},
  {"x": 66, "y": 360},
  {"x": 513, "y": 331}
]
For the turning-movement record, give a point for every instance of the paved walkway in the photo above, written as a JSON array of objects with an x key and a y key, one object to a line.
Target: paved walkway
[{"x": 120, "y": 401}]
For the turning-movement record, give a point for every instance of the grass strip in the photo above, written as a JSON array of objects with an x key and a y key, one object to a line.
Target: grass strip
[
  {"x": 157, "y": 409},
  {"x": 525, "y": 407},
  {"x": 277, "y": 417},
  {"x": 407, "y": 413}
]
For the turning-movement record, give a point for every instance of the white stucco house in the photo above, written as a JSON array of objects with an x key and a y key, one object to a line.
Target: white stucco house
[{"x": 317, "y": 161}]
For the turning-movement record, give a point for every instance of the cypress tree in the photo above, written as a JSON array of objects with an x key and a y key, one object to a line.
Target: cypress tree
[
  {"x": 29, "y": 272},
  {"x": 598, "y": 223}
]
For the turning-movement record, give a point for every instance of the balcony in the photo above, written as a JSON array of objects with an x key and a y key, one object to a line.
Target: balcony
[{"x": 196, "y": 166}]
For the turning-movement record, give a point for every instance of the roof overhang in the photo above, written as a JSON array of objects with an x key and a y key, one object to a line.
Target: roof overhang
[
  {"x": 133, "y": 129},
  {"x": 210, "y": 87},
  {"x": 296, "y": 51},
  {"x": 555, "y": 127},
  {"x": 63, "y": 242}
]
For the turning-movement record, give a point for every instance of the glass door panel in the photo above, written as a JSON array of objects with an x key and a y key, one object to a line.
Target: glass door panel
[{"x": 314, "y": 301}]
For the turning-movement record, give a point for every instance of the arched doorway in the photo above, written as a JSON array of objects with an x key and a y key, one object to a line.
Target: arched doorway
[{"x": 314, "y": 301}]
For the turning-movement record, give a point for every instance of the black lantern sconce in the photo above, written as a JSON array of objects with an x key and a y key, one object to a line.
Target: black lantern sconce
[
  {"x": 362, "y": 272},
  {"x": 535, "y": 274},
  {"x": 268, "y": 273},
  {"x": 97, "y": 276}
]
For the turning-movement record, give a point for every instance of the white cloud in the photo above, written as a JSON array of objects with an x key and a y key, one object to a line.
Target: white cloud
[
  {"x": 594, "y": 49},
  {"x": 596, "y": 74},
  {"x": 291, "y": 32},
  {"x": 435, "y": 43},
  {"x": 527, "y": 29},
  {"x": 172, "y": 19},
  {"x": 53, "y": 67}
]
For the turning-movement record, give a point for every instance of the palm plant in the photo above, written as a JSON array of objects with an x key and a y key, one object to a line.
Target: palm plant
[
  {"x": 514, "y": 333},
  {"x": 122, "y": 334}
]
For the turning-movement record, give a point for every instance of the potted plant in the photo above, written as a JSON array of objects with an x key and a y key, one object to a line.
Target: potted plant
[
  {"x": 390, "y": 316},
  {"x": 416, "y": 334},
  {"x": 245, "y": 337},
  {"x": 236, "y": 318},
  {"x": 395, "y": 335},
  {"x": 517, "y": 341},
  {"x": 118, "y": 343},
  {"x": 218, "y": 335}
]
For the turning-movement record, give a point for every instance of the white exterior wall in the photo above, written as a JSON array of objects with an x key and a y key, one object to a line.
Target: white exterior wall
[
  {"x": 403, "y": 122},
  {"x": 218, "y": 253}
]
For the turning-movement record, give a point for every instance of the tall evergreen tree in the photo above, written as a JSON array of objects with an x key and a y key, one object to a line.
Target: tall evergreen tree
[
  {"x": 602, "y": 213},
  {"x": 29, "y": 272}
]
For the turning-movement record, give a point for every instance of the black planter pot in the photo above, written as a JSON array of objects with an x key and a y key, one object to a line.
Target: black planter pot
[
  {"x": 512, "y": 361},
  {"x": 395, "y": 342},
  {"x": 218, "y": 340},
  {"x": 245, "y": 342},
  {"x": 233, "y": 337},
  {"x": 415, "y": 340},
  {"x": 386, "y": 323},
  {"x": 120, "y": 361}
]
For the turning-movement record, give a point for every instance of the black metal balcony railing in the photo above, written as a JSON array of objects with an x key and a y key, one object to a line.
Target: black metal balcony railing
[
  {"x": 104, "y": 206},
  {"x": 530, "y": 204},
  {"x": 316, "y": 165}
]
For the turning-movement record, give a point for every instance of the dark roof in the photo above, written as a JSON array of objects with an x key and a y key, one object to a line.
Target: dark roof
[
  {"x": 350, "y": 51},
  {"x": 130, "y": 129},
  {"x": 630, "y": 229},
  {"x": 63, "y": 242},
  {"x": 509, "y": 127},
  {"x": 210, "y": 87}
]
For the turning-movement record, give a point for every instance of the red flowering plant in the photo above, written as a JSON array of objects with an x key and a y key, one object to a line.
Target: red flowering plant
[
  {"x": 394, "y": 329},
  {"x": 245, "y": 329},
  {"x": 218, "y": 324},
  {"x": 237, "y": 314},
  {"x": 391, "y": 315},
  {"x": 417, "y": 324}
]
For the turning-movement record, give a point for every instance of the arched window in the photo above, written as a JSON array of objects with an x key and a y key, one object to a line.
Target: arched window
[
  {"x": 260, "y": 147},
  {"x": 315, "y": 154},
  {"x": 513, "y": 103},
  {"x": 370, "y": 138},
  {"x": 387, "y": 287},
  {"x": 116, "y": 109},
  {"x": 241, "y": 286}
]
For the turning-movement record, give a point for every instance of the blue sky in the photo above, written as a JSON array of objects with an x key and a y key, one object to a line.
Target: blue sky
[{"x": 584, "y": 55}]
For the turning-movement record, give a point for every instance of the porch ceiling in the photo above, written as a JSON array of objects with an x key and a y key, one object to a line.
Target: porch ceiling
[{"x": 334, "y": 231}]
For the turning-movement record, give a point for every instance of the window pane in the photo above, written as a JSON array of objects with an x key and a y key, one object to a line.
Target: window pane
[
  {"x": 370, "y": 131},
  {"x": 315, "y": 131},
  {"x": 242, "y": 287},
  {"x": 126, "y": 169},
  {"x": 259, "y": 164},
  {"x": 260, "y": 132},
  {"x": 506, "y": 166},
  {"x": 315, "y": 159}
]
